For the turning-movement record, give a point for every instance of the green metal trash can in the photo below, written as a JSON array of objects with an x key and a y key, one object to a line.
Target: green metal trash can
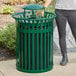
[{"x": 34, "y": 39}]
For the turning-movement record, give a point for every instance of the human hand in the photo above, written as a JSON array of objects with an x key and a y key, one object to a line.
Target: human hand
[{"x": 40, "y": 13}]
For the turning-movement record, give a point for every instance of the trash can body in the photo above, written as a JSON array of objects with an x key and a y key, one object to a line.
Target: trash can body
[{"x": 34, "y": 43}]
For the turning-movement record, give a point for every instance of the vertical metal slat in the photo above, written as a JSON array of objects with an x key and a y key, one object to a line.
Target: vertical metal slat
[
  {"x": 25, "y": 51},
  {"x": 37, "y": 50},
  {"x": 45, "y": 46},
  {"x": 29, "y": 65},
  {"x": 22, "y": 47},
  {"x": 41, "y": 49},
  {"x": 33, "y": 54},
  {"x": 48, "y": 46}
]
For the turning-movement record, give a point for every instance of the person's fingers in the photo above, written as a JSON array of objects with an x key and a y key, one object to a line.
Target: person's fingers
[
  {"x": 37, "y": 13},
  {"x": 42, "y": 12}
]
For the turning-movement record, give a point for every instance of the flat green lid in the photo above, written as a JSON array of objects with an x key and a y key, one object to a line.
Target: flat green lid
[{"x": 33, "y": 7}]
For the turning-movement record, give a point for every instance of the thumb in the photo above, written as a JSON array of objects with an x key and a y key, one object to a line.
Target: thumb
[{"x": 42, "y": 12}]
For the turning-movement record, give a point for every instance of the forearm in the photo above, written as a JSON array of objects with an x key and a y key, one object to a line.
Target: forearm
[{"x": 47, "y": 3}]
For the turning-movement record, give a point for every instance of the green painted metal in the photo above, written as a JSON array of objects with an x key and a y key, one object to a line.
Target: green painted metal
[
  {"x": 33, "y": 7},
  {"x": 29, "y": 49},
  {"x": 41, "y": 49},
  {"x": 45, "y": 46},
  {"x": 25, "y": 51},
  {"x": 37, "y": 50},
  {"x": 34, "y": 40}
]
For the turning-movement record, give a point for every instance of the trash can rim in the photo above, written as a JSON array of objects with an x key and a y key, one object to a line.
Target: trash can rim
[{"x": 17, "y": 18}]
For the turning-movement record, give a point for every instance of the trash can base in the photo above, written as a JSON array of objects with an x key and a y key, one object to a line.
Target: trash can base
[{"x": 35, "y": 71}]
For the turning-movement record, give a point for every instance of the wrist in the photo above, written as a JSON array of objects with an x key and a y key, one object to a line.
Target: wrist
[{"x": 45, "y": 6}]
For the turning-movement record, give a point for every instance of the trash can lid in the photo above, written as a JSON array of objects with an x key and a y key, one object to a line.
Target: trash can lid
[{"x": 33, "y": 7}]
